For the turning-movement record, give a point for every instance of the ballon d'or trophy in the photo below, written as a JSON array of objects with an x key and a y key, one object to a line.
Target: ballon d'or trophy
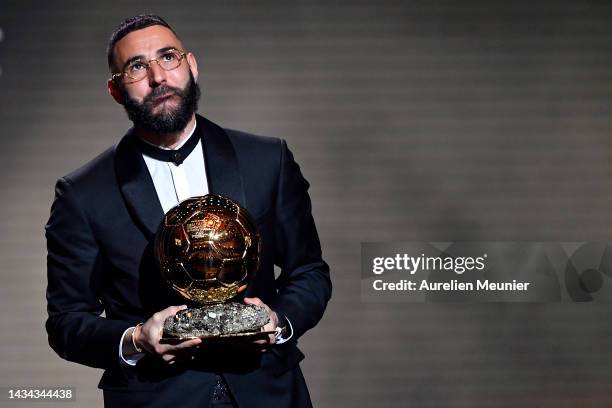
[{"x": 208, "y": 249}]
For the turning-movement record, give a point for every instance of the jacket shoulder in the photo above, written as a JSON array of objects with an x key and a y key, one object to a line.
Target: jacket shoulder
[
  {"x": 93, "y": 177},
  {"x": 97, "y": 165},
  {"x": 255, "y": 150},
  {"x": 244, "y": 140}
]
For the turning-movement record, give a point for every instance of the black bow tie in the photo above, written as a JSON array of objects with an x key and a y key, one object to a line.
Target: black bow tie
[{"x": 175, "y": 156}]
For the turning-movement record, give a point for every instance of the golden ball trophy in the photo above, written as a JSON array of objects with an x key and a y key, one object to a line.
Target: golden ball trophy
[{"x": 207, "y": 249}]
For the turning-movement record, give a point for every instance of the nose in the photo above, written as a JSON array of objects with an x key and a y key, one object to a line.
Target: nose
[{"x": 156, "y": 74}]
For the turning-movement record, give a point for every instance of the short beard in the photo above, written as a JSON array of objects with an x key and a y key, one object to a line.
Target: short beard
[{"x": 164, "y": 122}]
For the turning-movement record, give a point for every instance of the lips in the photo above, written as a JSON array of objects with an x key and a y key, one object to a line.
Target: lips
[{"x": 162, "y": 98}]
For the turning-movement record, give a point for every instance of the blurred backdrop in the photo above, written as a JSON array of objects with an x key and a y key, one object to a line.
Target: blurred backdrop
[{"x": 413, "y": 120}]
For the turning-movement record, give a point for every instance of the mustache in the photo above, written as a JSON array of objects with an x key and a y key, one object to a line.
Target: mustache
[{"x": 162, "y": 90}]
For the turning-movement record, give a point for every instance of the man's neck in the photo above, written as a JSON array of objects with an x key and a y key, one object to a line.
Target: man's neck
[{"x": 168, "y": 140}]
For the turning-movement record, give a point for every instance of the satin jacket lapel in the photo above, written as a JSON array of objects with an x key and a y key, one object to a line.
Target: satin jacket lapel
[
  {"x": 222, "y": 169},
  {"x": 137, "y": 186}
]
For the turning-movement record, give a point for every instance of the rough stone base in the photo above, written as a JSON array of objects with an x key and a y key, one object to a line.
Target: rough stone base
[{"x": 219, "y": 320}]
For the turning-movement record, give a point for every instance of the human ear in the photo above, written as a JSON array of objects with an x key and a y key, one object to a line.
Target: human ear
[
  {"x": 193, "y": 65},
  {"x": 115, "y": 91}
]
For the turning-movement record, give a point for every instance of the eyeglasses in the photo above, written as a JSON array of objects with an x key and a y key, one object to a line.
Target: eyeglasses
[{"x": 138, "y": 70}]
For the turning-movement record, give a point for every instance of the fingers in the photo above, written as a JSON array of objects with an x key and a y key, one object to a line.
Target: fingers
[
  {"x": 254, "y": 301},
  {"x": 269, "y": 339},
  {"x": 186, "y": 344},
  {"x": 257, "y": 302},
  {"x": 184, "y": 351},
  {"x": 178, "y": 356},
  {"x": 150, "y": 332},
  {"x": 270, "y": 326},
  {"x": 168, "y": 358},
  {"x": 162, "y": 348},
  {"x": 167, "y": 312}
]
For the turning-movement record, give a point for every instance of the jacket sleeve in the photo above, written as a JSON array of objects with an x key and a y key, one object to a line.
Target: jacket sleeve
[
  {"x": 76, "y": 329},
  {"x": 304, "y": 286}
]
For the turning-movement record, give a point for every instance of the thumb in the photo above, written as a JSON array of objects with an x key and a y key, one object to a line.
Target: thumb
[
  {"x": 253, "y": 301},
  {"x": 172, "y": 310}
]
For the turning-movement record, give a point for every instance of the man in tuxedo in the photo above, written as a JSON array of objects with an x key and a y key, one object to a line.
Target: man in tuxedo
[{"x": 104, "y": 218}]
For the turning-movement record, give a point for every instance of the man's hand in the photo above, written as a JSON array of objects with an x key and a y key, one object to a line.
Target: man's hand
[
  {"x": 148, "y": 335},
  {"x": 271, "y": 325}
]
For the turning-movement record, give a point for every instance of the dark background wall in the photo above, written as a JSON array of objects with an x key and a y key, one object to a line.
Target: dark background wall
[{"x": 413, "y": 120}]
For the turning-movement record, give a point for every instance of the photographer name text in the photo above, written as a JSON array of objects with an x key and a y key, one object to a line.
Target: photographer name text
[{"x": 422, "y": 263}]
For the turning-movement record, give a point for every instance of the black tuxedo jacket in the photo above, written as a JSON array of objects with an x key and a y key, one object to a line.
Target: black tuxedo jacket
[{"x": 100, "y": 259}]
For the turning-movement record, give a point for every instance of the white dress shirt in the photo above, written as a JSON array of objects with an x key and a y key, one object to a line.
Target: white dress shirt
[{"x": 173, "y": 184}]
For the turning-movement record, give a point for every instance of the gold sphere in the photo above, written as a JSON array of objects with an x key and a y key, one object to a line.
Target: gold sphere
[{"x": 207, "y": 248}]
